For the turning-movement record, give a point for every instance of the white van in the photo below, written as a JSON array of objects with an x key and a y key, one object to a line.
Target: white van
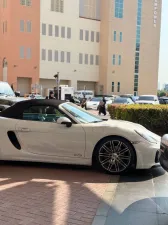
[{"x": 84, "y": 93}]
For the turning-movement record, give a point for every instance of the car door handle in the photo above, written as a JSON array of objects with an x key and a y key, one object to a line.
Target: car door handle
[{"x": 24, "y": 129}]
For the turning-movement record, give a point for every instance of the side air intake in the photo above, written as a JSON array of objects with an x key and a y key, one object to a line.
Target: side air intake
[{"x": 13, "y": 139}]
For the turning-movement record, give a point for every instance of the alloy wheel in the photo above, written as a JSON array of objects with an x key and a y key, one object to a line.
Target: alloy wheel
[{"x": 115, "y": 156}]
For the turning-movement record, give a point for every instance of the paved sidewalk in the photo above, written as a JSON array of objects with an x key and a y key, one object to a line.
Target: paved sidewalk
[
  {"x": 95, "y": 112},
  {"x": 50, "y": 194},
  {"x": 140, "y": 200}
]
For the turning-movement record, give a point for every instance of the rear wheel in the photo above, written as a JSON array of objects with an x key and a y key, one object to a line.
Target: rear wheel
[{"x": 114, "y": 155}]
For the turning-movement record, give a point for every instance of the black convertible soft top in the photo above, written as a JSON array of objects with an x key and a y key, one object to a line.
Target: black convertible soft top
[{"x": 16, "y": 111}]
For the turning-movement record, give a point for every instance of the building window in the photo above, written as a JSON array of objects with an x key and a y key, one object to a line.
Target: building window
[
  {"x": 63, "y": 32},
  {"x": 28, "y": 2},
  {"x": 4, "y": 3},
  {"x": 86, "y": 59},
  {"x": 57, "y": 6},
  {"x": 68, "y": 57},
  {"x": 121, "y": 37},
  {"x": 49, "y": 55},
  {"x": 5, "y": 26},
  {"x": 91, "y": 59},
  {"x": 119, "y": 60},
  {"x": 56, "y": 31},
  {"x": 115, "y": 36},
  {"x": 81, "y": 35},
  {"x": 97, "y": 60},
  {"x": 86, "y": 35},
  {"x": 69, "y": 33},
  {"x": 29, "y": 26},
  {"x": 43, "y": 54},
  {"x": 112, "y": 87},
  {"x": 92, "y": 36},
  {"x": 28, "y": 53},
  {"x": 114, "y": 57},
  {"x": 50, "y": 30},
  {"x": 119, "y": 7},
  {"x": 62, "y": 56},
  {"x": 43, "y": 29},
  {"x": 22, "y": 52},
  {"x": 56, "y": 56},
  {"x": 97, "y": 37},
  {"x": 22, "y": 25},
  {"x": 80, "y": 58},
  {"x": 118, "y": 87},
  {"x": 90, "y": 9},
  {"x": 137, "y": 46},
  {"x": 23, "y": 2},
  {"x": 61, "y": 6}
]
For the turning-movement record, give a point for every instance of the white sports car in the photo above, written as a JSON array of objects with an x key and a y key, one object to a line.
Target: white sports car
[{"x": 61, "y": 132}]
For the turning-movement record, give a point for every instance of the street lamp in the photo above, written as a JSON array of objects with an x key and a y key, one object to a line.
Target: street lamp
[{"x": 56, "y": 76}]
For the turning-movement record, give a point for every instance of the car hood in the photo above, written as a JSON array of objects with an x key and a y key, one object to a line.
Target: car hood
[
  {"x": 121, "y": 124},
  {"x": 125, "y": 126}
]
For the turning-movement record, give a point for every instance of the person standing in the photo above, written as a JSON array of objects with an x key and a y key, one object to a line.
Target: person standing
[
  {"x": 72, "y": 99},
  {"x": 51, "y": 95}
]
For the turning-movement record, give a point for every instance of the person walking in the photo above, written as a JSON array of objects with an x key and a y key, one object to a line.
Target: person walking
[
  {"x": 83, "y": 104},
  {"x": 102, "y": 107}
]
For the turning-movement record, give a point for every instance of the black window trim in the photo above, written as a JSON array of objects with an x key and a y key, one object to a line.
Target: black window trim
[{"x": 42, "y": 105}]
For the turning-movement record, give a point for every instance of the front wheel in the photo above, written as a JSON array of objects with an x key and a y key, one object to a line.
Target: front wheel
[{"x": 114, "y": 155}]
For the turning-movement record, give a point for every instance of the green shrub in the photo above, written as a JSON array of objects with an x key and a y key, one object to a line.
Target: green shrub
[{"x": 153, "y": 117}]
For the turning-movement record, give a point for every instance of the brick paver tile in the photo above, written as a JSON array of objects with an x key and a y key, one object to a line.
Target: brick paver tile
[{"x": 47, "y": 195}]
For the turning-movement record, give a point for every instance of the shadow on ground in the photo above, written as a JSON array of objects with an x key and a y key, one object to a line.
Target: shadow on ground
[{"x": 50, "y": 194}]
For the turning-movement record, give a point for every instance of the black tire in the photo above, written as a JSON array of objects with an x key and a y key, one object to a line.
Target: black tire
[{"x": 114, "y": 155}]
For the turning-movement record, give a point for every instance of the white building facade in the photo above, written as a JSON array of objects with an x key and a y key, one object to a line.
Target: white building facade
[{"x": 69, "y": 45}]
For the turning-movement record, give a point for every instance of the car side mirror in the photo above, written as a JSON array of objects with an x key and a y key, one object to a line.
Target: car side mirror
[{"x": 64, "y": 121}]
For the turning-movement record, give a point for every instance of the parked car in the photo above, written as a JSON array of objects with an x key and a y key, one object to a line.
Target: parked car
[
  {"x": 94, "y": 102},
  {"x": 35, "y": 96},
  {"x": 122, "y": 100},
  {"x": 60, "y": 132},
  {"x": 7, "y": 96},
  {"x": 163, "y": 153},
  {"x": 84, "y": 94},
  {"x": 163, "y": 100},
  {"x": 148, "y": 99},
  {"x": 133, "y": 98}
]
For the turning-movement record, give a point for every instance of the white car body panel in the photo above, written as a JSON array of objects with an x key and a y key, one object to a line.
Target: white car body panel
[
  {"x": 72, "y": 145},
  {"x": 147, "y": 102},
  {"x": 94, "y": 104},
  {"x": 153, "y": 99}
]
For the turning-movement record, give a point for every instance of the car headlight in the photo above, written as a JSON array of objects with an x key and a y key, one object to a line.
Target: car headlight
[{"x": 147, "y": 136}]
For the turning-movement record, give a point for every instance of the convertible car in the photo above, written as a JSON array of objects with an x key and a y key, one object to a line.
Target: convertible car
[{"x": 61, "y": 132}]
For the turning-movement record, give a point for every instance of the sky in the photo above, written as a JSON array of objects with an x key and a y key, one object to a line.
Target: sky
[{"x": 163, "y": 62}]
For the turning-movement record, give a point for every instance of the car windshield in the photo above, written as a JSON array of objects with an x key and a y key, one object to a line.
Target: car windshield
[
  {"x": 81, "y": 115},
  {"x": 5, "y": 89},
  {"x": 146, "y": 98},
  {"x": 120, "y": 100}
]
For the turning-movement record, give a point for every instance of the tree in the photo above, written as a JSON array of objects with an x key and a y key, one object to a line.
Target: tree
[{"x": 161, "y": 93}]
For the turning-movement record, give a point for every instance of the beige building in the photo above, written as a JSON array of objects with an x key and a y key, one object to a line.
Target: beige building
[{"x": 110, "y": 46}]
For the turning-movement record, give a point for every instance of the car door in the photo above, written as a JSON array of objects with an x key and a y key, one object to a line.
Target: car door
[{"x": 40, "y": 134}]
